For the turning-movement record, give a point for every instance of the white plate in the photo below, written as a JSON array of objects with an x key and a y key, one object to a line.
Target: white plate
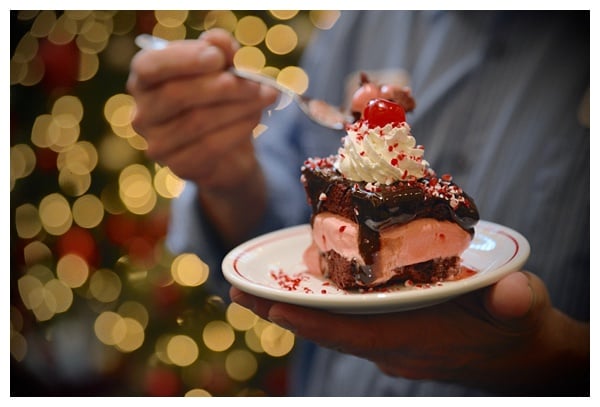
[{"x": 270, "y": 266}]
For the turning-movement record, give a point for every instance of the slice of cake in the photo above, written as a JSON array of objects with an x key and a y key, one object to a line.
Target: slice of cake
[{"x": 380, "y": 213}]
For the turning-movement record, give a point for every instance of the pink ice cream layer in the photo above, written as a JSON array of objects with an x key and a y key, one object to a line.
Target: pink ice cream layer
[{"x": 401, "y": 245}]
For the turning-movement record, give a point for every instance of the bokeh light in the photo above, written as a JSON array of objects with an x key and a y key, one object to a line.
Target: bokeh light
[
  {"x": 68, "y": 109},
  {"x": 197, "y": 393},
  {"x": 240, "y": 318},
  {"x": 281, "y": 39},
  {"x": 133, "y": 337},
  {"x": 18, "y": 343},
  {"x": 88, "y": 211},
  {"x": 22, "y": 162},
  {"x": 81, "y": 158},
  {"x": 252, "y": 336},
  {"x": 43, "y": 23},
  {"x": 249, "y": 58},
  {"x": 168, "y": 184},
  {"x": 114, "y": 153},
  {"x": 135, "y": 310},
  {"x": 88, "y": 66},
  {"x": 220, "y": 19},
  {"x": 44, "y": 295},
  {"x": 72, "y": 270},
  {"x": 284, "y": 14},
  {"x": 293, "y": 77},
  {"x": 182, "y": 350},
  {"x": 109, "y": 328},
  {"x": 26, "y": 49},
  {"x": 74, "y": 183},
  {"x": 55, "y": 214},
  {"x": 171, "y": 18},
  {"x": 276, "y": 341},
  {"x": 250, "y": 30},
  {"x": 105, "y": 285},
  {"x": 218, "y": 336},
  {"x": 64, "y": 30},
  {"x": 241, "y": 364},
  {"x": 136, "y": 189},
  {"x": 27, "y": 221},
  {"x": 189, "y": 270},
  {"x": 37, "y": 252}
]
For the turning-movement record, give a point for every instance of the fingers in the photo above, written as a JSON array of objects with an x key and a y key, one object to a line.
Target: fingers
[
  {"x": 212, "y": 52},
  {"x": 179, "y": 59},
  {"x": 510, "y": 303},
  {"x": 200, "y": 156},
  {"x": 167, "y": 101},
  {"x": 191, "y": 111},
  {"x": 356, "y": 334}
]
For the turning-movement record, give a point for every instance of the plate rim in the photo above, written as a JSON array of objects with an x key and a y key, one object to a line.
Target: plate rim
[{"x": 371, "y": 302}]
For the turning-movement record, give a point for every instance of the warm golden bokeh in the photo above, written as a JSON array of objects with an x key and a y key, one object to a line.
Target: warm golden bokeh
[{"x": 94, "y": 284}]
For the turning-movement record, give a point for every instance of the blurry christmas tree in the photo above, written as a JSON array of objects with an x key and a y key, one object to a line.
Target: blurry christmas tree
[{"x": 99, "y": 306}]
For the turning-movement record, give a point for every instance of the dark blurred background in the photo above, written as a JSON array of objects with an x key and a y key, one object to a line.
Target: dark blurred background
[{"x": 98, "y": 304}]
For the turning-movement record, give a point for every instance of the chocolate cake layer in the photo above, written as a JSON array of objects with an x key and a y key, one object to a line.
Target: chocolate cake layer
[{"x": 349, "y": 275}]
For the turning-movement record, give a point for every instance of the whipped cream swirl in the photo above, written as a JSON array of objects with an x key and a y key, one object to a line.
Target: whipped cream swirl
[{"x": 381, "y": 155}]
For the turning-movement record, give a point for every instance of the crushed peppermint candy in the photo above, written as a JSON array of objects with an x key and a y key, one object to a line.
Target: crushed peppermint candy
[{"x": 286, "y": 281}]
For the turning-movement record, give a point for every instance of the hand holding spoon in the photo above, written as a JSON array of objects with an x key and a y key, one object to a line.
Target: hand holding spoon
[{"x": 318, "y": 111}]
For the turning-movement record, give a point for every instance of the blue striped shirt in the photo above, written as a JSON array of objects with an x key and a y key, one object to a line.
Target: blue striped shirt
[{"x": 499, "y": 106}]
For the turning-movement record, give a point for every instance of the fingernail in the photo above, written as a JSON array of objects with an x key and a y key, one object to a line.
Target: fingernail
[
  {"x": 212, "y": 57},
  {"x": 524, "y": 281},
  {"x": 209, "y": 52}
]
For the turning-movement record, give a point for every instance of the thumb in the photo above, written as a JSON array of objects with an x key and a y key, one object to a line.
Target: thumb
[{"x": 510, "y": 298}]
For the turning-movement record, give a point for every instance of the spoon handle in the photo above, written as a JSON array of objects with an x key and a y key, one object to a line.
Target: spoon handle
[{"x": 262, "y": 79}]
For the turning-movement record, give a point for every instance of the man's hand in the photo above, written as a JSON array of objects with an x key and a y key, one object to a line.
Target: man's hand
[
  {"x": 197, "y": 119},
  {"x": 506, "y": 338}
]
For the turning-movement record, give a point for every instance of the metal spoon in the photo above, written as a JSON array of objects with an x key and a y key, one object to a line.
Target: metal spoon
[{"x": 317, "y": 110}]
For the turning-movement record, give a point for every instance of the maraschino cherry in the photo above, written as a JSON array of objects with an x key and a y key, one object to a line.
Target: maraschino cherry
[{"x": 380, "y": 112}]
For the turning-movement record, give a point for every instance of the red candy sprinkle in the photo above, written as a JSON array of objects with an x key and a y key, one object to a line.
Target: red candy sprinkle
[{"x": 287, "y": 282}]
